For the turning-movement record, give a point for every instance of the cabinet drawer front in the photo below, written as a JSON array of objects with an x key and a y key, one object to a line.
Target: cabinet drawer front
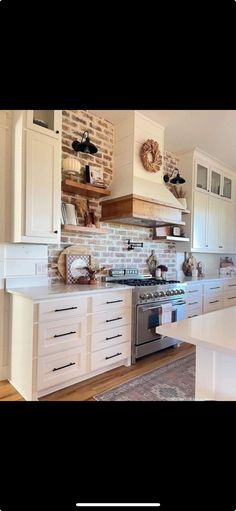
[
  {"x": 62, "y": 367},
  {"x": 110, "y": 356},
  {"x": 213, "y": 287},
  {"x": 195, "y": 310},
  {"x": 212, "y": 302},
  {"x": 62, "y": 308},
  {"x": 230, "y": 285},
  {"x": 54, "y": 336},
  {"x": 194, "y": 290},
  {"x": 111, "y": 319},
  {"x": 229, "y": 298},
  {"x": 109, "y": 301},
  {"x": 105, "y": 339},
  {"x": 194, "y": 300}
]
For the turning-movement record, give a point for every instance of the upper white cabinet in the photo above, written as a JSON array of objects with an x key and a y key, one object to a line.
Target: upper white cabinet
[
  {"x": 210, "y": 187},
  {"x": 213, "y": 179},
  {"x": 47, "y": 122},
  {"x": 34, "y": 186}
]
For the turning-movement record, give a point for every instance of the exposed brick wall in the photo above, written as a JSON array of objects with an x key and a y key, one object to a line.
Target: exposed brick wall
[
  {"x": 170, "y": 162},
  {"x": 108, "y": 249}
]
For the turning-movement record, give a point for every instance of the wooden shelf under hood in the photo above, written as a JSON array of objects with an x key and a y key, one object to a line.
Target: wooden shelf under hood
[{"x": 135, "y": 210}]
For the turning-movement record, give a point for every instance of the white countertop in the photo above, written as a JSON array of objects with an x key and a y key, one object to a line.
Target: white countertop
[
  {"x": 40, "y": 293},
  {"x": 215, "y": 330}
]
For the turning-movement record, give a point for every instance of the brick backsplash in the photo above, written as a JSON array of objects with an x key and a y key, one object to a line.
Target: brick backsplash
[{"x": 108, "y": 249}]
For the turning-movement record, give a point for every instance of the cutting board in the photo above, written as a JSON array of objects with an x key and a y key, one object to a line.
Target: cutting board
[{"x": 73, "y": 250}]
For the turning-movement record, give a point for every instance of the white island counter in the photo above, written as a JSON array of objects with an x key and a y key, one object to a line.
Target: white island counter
[{"x": 214, "y": 335}]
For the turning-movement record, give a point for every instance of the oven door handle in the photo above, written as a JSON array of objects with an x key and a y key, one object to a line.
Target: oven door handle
[{"x": 143, "y": 309}]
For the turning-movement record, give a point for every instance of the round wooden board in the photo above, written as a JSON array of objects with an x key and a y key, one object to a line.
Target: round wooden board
[{"x": 73, "y": 249}]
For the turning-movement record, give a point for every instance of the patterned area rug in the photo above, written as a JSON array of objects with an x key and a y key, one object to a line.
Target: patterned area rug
[{"x": 173, "y": 382}]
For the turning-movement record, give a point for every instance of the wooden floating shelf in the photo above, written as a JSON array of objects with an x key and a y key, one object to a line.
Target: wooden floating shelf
[
  {"x": 83, "y": 230},
  {"x": 170, "y": 238},
  {"x": 84, "y": 189}
]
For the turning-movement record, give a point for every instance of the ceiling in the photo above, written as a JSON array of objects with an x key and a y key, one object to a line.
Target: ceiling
[{"x": 214, "y": 131}]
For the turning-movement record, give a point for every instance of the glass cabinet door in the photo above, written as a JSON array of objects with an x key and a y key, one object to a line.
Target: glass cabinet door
[
  {"x": 227, "y": 187},
  {"x": 215, "y": 182},
  {"x": 202, "y": 177},
  {"x": 44, "y": 121}
]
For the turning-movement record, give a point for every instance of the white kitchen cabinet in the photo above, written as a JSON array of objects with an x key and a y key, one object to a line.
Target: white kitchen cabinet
[
  {"x": 59, "y": 342},
  {"x": 47, "y": 122},
  {"x": 210, "y": 187},
  {"x": 200, "y": 220},
  {"x": 35, "y": 180},
  {"x": 5, "y": 169}
]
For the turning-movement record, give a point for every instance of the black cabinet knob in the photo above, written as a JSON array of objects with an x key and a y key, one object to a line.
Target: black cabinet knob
[
  {"x": 55, "y": 232},
  {"x": 57, "y": 132}
]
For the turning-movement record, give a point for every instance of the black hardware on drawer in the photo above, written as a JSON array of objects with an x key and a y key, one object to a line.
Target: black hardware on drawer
[
  {"x": 116, "y": 301},
  {"x": 192, "y": 303},
  {"x": 193, "y": 316},
  {"x": 62, "y": 367},
  {"x": 113, "y": 337},
  {"x": 215, "y": 301},
  {"x": 232, "y": 298},
  {"x": 115, "y": 319},
  {"x": 217, "y": 287},
  {"x": 112, "y": 356},
  {"x": 67, "y": 309},
  {"x": 194, "y": 291},
  {"x": 62, "y": 335},
  {"x": 231, "y": 285}
]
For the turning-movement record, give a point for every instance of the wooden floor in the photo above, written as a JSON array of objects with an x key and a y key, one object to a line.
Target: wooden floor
[{"x": 85, "y": 390}]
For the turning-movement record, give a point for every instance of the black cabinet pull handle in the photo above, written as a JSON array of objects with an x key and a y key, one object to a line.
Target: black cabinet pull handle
[
  {"x": 192, "y": 303},
  {"x": 116, "y": 301},
  {"x": 215, "y": 301},
  {"x": 112, "y": 356},
  {"x": 67, "y": 309},
  {"x": 217, "y": 287},
  {"x": 231, "y": 285},
  {"x": 113, "y": 337},
  {"x": 62, "y": 335},
  {"x": 193, "y": 316},
  {"x": 232, "y": 298},
  {"x": 194, "y": 291},
  {"x": 55, "y": 232},
  {"x": 115, "y": 319},
  {"x": 62, "y": 367}
]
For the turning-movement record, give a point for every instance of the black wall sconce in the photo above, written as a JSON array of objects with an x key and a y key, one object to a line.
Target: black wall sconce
[
  {"x": 177, "y": 180},
  {"x": 84, "y": 146},
  {"x": 131, "y": 246}
]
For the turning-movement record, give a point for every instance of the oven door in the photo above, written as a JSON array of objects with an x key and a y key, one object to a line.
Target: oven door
[{"x": 149, "y": 316}]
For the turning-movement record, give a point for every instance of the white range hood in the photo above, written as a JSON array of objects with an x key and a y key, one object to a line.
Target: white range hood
[{"x": 135, "y": 190}]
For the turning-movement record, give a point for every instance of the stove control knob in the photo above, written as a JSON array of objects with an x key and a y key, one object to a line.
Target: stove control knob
[
  {"x": 172, "y": 292},
  {"x": 161, "y": 293},
  {"x": 156, "y": 294},
  {"x": 178, "y": 292},
  {"x": 149, "y": 295},
  {"x": 182, "y": 291},
  {"x": 168, "y": 293},
  {"x": 142, "y": 297}
]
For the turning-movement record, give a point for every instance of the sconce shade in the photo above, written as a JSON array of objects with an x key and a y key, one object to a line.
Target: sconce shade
[
  {"x": 84, "y": 146},
  {"x": 177, "y": 180}
]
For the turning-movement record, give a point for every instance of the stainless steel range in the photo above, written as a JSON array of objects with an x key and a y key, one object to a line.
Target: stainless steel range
[{"x": 150, "y": 299}]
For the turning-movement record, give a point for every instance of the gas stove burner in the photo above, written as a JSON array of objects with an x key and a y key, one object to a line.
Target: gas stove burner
[{"x": 145, "y": 282}]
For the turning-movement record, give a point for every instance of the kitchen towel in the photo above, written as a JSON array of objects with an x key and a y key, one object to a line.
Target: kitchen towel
[{"x": 166, "y": 316}]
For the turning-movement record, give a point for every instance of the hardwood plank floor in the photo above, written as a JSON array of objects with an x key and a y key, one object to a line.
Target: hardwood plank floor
[{"x": 85, "y": 390}]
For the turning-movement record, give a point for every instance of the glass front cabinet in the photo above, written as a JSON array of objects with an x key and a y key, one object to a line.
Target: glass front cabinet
[
  {"x": 47, "y": 122},
  {"x": 210, "y": 179}
]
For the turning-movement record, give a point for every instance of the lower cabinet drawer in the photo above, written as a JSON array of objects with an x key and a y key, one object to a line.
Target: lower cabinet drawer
[
  {"x": 108, "y": 338},
  {"x": 192, "y": 312},
  {"x": 110, "y": 356},
  {"x": 62, "y": 308},
  {"x": 212, "y": 302},
  {"x": 193, "y": 301},
  {"x": 229, "y": 299},
  {"x": 59, "y": 368},
  {"x": 54, "y": 336},
  {"x": 110, "y": 319}
]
